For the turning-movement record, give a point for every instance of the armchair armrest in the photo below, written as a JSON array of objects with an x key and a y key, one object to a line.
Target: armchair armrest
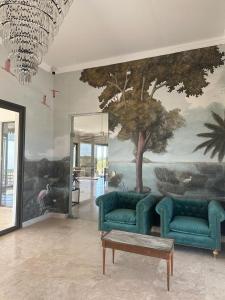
[
  {"x": 107, "y": 202},
  {"x": 165, "y": 209},
  {"x": 145, "y": 213},
  {"x": 145, "y": 204},
  {"x": 216, "y": 215},
  {"x": 215, "y": 210}
]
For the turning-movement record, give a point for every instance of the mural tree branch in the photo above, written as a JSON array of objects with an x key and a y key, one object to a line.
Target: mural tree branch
[{"x": 128, "y": 93}]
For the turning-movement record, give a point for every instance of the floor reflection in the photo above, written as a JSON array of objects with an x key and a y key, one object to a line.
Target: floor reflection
[
  {"x": 6, "y": 210},
  {"x": 6, "y": 217},
  {"x": 90, "y": 189}
]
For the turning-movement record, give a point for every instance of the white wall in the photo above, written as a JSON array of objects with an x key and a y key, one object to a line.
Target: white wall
[
  {"x": 75, "y": 97},
  {"x": 39, "y": 118}
]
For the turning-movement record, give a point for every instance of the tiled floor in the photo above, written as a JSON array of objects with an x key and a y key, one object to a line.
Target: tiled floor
[
  {"x": 62, "y": 259},
  {"x": 86, "y": 210}
]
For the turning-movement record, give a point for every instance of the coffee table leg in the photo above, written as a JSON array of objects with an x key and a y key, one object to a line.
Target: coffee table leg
[
  {"x": 104, "y": 250},
  {"x": 113, "y": 255},
  {"x": 168, "y": 274},
  {"x": 172, "y": 264}
]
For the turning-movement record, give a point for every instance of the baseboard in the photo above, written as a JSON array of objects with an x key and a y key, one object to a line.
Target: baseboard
[
  {"x": 44, "y": 217},
  {"x": 35, "y": 220}
]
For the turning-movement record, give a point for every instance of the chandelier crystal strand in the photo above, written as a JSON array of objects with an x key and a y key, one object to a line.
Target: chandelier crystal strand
[{"x": 27, "y": 28}]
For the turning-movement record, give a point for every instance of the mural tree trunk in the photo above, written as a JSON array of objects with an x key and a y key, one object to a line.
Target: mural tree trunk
[
  {"x": 128, "y": 95},
  {"x": 139, "y": 162}
]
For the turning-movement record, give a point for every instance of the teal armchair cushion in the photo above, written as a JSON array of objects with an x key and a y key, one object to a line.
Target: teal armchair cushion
[
  {"x": 126, "y": 211},
  {"x": 191, "y": 225},
  {"x": 122, "y": 215},
  {"x": 192, "y": 208},
  {"x": 191, "y": 222}
]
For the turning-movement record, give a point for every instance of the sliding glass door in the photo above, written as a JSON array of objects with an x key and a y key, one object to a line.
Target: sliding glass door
[{"x": 11, "y": 152}]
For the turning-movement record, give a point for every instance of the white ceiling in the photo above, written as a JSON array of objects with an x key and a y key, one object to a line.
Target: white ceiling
[{"x": 99, "y": 32}]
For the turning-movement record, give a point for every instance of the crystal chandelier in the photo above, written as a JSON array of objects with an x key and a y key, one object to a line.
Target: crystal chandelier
[{"x": 27, "y": 28}]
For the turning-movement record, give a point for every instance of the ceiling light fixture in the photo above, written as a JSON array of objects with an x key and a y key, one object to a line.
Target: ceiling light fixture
[{"x": 27, "y": 28}]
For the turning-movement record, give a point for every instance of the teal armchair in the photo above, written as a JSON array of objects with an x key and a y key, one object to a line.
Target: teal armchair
[
  {"x": 194, "y": 223},
  {"x": 127, "y": 211}
]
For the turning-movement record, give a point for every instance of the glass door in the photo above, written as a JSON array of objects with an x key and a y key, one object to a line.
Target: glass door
[
  {"x": 89, "y": 151},
  {"x": 11, "y": 152}
]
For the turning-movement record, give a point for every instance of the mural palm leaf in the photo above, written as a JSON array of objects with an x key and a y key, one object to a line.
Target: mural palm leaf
[
  {"x": 219, "y": 120},
  {"x": 216, "y": 138}
]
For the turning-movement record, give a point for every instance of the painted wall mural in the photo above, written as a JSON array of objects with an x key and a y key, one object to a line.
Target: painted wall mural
[
  {"x": 46, "y": 187},
  {"x": 38, "y": 98},
  {"x": 167, "y": 122}
]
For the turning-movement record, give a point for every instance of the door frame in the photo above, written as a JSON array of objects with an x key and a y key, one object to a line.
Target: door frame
[
  {"x": 20, "y": 162},
  {"x": 72, "y": 135},
  {"x": 1, "y": 153}
]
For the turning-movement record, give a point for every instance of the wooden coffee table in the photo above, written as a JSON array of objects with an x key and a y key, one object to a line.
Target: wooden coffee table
[{"x": 140, "y": 244}]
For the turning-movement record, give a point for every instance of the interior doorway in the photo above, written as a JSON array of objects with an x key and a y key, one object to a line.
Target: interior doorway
[
  {"x": 89, "y": 165},
  {"x": 11, "y": 165}
]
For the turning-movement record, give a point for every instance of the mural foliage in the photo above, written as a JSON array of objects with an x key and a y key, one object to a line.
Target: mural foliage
[
  {"x": 215, "y": 138},
  {"x": 141, "y": 98}
]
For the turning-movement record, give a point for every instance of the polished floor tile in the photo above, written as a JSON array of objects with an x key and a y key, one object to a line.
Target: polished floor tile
[{"x": 62, "y": 259}]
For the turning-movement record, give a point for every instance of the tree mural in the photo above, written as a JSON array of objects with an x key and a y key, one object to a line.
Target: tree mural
[
  {"x": 128, "y": 93},
  {"x": 215, "y": 138}
]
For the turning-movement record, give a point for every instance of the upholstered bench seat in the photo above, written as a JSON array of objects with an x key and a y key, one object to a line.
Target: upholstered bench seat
[{"x": 190, "y": 225}]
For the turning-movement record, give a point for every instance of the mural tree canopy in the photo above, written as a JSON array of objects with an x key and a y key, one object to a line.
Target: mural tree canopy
[{"x": 129, "y": 95}]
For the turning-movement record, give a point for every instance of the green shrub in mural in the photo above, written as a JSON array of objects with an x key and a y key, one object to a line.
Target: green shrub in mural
[
  {"x": 128, "y": 94},
  {"x": 215, "y": 138}
]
